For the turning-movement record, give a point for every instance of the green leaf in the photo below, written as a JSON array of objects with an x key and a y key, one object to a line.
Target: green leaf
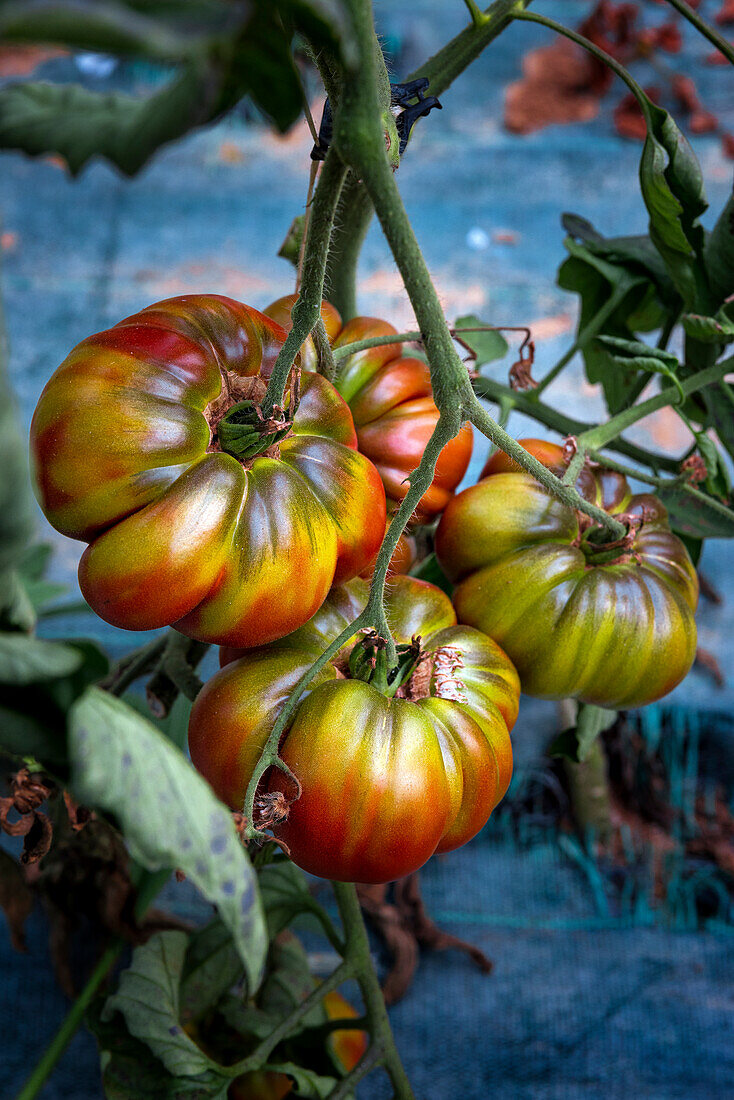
[
  {"x": 673, "y": 191},
  {"x": 114, "y": 28},
  {"x": 285, "y": 894},
  {"x": 719, "y": 254},
  {"x": 289, "y": 981},
  {"x": 247, "y": 1020},
  {"x": 576, "y": 743},
  {"x": 307, "y": 1083},
  {"x": 709, "y": 330},
  {"x": 641, "y": 357},
  {"x": 26, "y": 660},
  {"x": 147, "y": 998},
  {"x": 33, "y": 717},
  {"x": 218, "y": 69},
  {"x": 636, "y": 254},
  {"x": 429, "y": 570},
  {"x": 696, "y": 514},
  {"x": 610, "y": 293},
  {"x": 487, "y": 346},
  {"x": 16, "y": 609},
  {"x": 123, "y": 765},
  {"x": 211, "y": 967}
]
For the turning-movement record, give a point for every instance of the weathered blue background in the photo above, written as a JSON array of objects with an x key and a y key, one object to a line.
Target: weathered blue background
[{"x": 581, "y": 1004}]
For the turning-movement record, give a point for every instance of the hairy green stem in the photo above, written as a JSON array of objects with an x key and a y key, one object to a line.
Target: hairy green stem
[
  {"x": 327, "y": 364},
  {"x": 358, "y": 953},
  {"x": 307, "y": 310},
  {"x": 704, "y": 28},
  {"x": 549, "y": 417},
  {"x": 353, "y": 217},
  {"x": 355, "y": 209},
  {"x": 603, "y": 434}
]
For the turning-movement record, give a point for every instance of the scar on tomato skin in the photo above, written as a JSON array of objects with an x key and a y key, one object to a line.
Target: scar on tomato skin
[{"x": 439, "y": 668}]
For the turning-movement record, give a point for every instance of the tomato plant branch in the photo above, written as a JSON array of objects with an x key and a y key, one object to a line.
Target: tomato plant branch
[
  {"x": 306, "y": 312},
  {"x": 443, "y": 68},
  {"x": 358, "y": 953},
  {"x": 134, "y": 665},
  {"x": 603, "y": 434},
  {"x": 549, "y": 417},
  {"x": 261, "y": 1053},
  {"x": 355, "y": 209},
  {"x": 704, "y": 28}
]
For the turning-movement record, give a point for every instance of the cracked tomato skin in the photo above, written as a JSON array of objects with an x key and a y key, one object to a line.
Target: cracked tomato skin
[
  {"x": 180, "y": 532},
  {"x": 618, "y": 632},
  {"x": 386, "y": 782},
  {"x": 391, "y": 400}
]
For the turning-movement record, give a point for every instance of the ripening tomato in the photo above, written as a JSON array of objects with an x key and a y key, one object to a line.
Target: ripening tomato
[
  {"x": 394, "y": 764},
  {"x": 347, "y": 1045},
  {"x": 147, "y": 444},
  {"x": 605, "y": 623},
  {"x": 391, "y": 399}
]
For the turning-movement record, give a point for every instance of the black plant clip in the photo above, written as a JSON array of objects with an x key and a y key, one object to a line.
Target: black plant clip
[{"x": 401, "y": 95}]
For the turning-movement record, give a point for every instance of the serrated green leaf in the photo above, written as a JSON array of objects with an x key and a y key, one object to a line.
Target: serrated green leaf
[
  {"x": 307, "y": 1083},
  {"x": 696, "y": 514},
  {"x": 247, "y": 1020},
  {"x": 26, "y": 660},
  {"x": 673, "y": 191},
  {"x": 211, "y": 967},
  {"x": 642, "y": 358},
  {"x": 122, "y": 764},
  {"x": 487, "y": 346},
  {"x": 289, "y": 981},
  {"x": 16, "y": 609},
  {"x": 147, "y": 997}
]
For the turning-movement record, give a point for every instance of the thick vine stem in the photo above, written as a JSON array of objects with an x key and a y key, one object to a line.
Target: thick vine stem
[
  {"x": 307, "y": 310},
  {"x": 358, "y": 953},
  {"x": 355, "y": 210}
]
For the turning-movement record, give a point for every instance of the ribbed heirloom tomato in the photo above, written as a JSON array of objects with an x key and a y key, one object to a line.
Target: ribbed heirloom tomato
[
  {"x": 391, "y": 399},
  {"x": 148, "y": 445},
  {"x": 394, "y": 765},
  {"x": 610, "y": 624}
]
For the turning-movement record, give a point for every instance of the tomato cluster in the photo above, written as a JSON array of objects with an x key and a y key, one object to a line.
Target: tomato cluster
[
  {"x": 391, "y": 400},
  {"x": 392, "y": 770},
  {"x": 256, "y": 533}
]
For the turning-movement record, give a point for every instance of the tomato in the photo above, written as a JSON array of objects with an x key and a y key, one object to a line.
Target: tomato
[
  {"x": 347, "y": 1045},
  {"x": 610, "y": 624},
  {"x": 389, "y": 774},
  {"x": 131, "y": 456},
  {"x": 391, "y": 399}
]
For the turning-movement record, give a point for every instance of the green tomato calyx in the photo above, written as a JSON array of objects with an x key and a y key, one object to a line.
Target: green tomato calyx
[
  {"x": 245, "y": 433},
  {"x": 368, "y": 662}
]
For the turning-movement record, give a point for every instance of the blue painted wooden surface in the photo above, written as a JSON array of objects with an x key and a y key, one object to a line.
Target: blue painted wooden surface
[{"x": 568, "y": 1013}]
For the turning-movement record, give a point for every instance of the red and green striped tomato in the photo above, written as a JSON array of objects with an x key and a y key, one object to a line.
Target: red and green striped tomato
[
  {"x": 609, "y": 624},
  {"x": 386, "y": 781},
  {"x": 391, "y": 400},
  {"x": 127, "y": 456}
]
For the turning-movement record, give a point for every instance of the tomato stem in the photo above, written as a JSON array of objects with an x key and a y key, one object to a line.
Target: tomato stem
[{"x": 306, "y": 312}]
